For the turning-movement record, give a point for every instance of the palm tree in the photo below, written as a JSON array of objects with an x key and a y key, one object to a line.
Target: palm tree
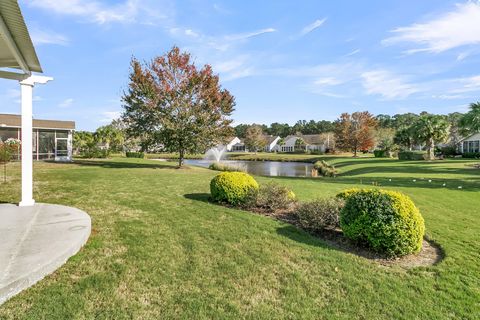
[
  {"x": 431, "y": 129},
  {"x": 470, "y": 122}
]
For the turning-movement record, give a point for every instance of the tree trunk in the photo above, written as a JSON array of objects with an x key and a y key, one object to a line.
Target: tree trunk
[
  {"x": 431, "y": 150},
  {"x": 181, "y": 158}
]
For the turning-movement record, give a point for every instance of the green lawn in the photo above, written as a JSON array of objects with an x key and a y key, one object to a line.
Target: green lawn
[{"x": 160, "y": 250}]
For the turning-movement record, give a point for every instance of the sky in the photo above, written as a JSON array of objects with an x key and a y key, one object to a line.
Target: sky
[{"x": 282, "y": 60}]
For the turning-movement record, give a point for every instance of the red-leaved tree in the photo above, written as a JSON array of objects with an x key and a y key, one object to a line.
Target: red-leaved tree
[
  {"x": 173, "y": 103},
  {"x": 355, "y": 132}
]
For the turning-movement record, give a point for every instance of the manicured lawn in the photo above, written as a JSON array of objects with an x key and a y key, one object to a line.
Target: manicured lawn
[{"x": 160, "y": 250}]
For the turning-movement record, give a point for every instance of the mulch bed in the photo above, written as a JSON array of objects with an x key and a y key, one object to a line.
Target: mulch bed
[{"x": 430, "y": 254}]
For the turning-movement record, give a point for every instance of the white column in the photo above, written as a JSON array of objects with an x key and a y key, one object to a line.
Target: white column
[{"x": 27, "y": 145}]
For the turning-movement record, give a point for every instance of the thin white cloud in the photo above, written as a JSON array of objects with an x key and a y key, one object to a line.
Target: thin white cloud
[
  {"x": 354, "y": 52},
  {"x": 312, "y": 26},
  {"x": 98, "y": 11},
  {"x": 40, "y": 37},
  {"x": 460, "y": 27},
  {"x": 387, "y": 85},
  {"x": 243, "y": 36},
  {"x": 66, "y": 103}
]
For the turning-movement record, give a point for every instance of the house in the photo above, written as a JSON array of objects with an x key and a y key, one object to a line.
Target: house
[
  {"x": 232, "y": 143},
  {"x": 307, "y": 143},
  {"x": 52, "y": 139},
  {"x": 470, "y": 144},
  {"x": 271, "y": 143}
]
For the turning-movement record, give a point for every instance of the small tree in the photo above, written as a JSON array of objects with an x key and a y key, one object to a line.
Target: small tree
[
  {"x": 470, "y": 122},
  {"x": 171, "y": 102},
  {"x": 300, "y": 145},
  {"x": 112, "y": 137},
  {"x": 431, "y": 129},
  {"x": 405, "y": 138},
  {"x": 7, "y": 149},
  {"x": 385, "y": 139},
  {"x": 355, "y": 132},
  {"x": 254, "y": 138}
]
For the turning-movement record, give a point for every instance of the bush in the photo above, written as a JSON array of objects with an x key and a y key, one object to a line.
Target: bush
[
  {"x": 95, "y": 153},
  {"x": 232, "y": 187},
  {"x": 449, "y": 151},
  {"x": 319, "y": 214},
  {"x": 387, "y": 221},
  {"x": 471, "y": 155},
  {"x": 324, "y": 169},
  {"x": 272, "y": 197},
  {"x": 140, "y": 155},
  {"x": 412, "y": 155},
  {"x": 224, "y": 167},
  {"x": 380, "y": 153},
  {"x": 343, "y": 195}
]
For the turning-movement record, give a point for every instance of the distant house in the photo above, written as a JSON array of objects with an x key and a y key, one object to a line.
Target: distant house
[
  {"x": 307, "y": 143},
  {"x": 234, "y": 145},
  {"x": 272, "y": 143},
  {"x": 470, "y": 144}
]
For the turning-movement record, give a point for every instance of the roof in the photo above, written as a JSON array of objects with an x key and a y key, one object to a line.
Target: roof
[
  {"x": 270, "y": 138},
  {"x": 14, "y": 120},
  {"x": 310, "y": 139},
  {"x": 16, "y": 47}
]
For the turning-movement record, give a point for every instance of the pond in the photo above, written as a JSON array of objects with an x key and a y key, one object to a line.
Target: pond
[{"x": 263, "y": 168}]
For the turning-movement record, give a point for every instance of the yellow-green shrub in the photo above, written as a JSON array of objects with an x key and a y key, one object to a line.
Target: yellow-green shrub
[
  {"x": 387, "y": 221},
  {"x": 232, "y": 187}
]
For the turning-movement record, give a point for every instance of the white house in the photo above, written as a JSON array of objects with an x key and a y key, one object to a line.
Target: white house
[
  {"x": 313, "y": 142},
  {"x": 272, "y": 143},
  {"x": 470, "y": 144}
]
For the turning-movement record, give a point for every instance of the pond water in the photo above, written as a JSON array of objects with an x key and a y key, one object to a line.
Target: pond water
[{"x": 263, "y": 168}]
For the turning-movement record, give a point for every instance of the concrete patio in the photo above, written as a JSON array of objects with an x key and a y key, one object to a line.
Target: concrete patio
[{"x": 35, "y": 241}]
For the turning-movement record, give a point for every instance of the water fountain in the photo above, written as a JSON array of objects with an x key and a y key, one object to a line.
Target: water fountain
[{"x": 216, "y": 153}]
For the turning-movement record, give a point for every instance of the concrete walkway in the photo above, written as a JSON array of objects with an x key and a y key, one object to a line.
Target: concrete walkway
[{"x": 35, "y": 241}]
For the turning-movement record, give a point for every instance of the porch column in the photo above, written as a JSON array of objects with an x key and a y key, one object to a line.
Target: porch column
[
  {"x": 27, "y": 144},
  {"x": 27, "y": 132}
]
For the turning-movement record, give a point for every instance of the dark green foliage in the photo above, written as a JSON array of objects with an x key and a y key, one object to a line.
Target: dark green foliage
[
  {"x": 232, "y": 187},
  {"x": 140, "y": 155},
  {"x": 95, "y": 153},
  {"x": 380, "y": 153},
  {"x": 412, "y": 155},
  {"x": 320, "y": 214},
  {"x": 325, "y": 169},
  {"x": 386, "y": 221},
  {"x": 471, "y": 155}
]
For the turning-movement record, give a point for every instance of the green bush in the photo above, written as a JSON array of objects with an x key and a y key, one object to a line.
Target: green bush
[
  {"x": 271, "y": 197},
  {"x": 95, "y": 153},
  {"x": 380, "y": 153},
  {"x": 232, "y": 187},
  {"x": 325, "y": 169},
  {"x": 386, "y": 221},
  {"x": 224, "y": 167},
  {"x": 412, "y": 155},
  {"x": 347, "y": 193},
  {"x": 320, "y": 214},
  {"x": 140, "y": 155},
  {"x": 471, "y": 155}
]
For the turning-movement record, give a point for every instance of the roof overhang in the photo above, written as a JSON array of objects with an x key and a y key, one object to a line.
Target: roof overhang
[{"x": 16, "y": 47}]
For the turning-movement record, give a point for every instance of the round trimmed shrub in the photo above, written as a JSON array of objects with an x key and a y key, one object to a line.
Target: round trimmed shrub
[
  {"x": 232, "y": 187},
  {"x": 387, "y": 221}
]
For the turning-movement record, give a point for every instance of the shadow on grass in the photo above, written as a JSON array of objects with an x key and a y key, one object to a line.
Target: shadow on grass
[
  {"x": 202, "y": 197},
  {"x": 121, "y": 164},
  {"x": 472, "y": 184}
]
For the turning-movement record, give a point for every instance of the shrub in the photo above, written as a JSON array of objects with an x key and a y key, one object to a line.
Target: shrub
[
  {"x": 325, "y": 169},
  {"x": 380, "y": 153},
  {"x": 347, "y": 193},
  {"x": 224, "y": 167},
  {"x": 232, "y": 187},
  {"x": 412, "y": 155},
  {"x": 387, "y": 221},
  {"x": 272, "y": 197},
  {"x": 471, "y": 155},
  {"x": 449, "y": 151},
  {"x": 95, "y": 153},
  {"x": 319, "y": 214},
  {"x": 140, "y": 155}
]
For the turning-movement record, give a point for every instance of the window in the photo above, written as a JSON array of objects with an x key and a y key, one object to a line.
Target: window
[
  {"x": 476, "y": 146},
  {"x": 46, "y": 144},
  {"x": 465, "y": 146},
  {"x": 7, "y": 133}
]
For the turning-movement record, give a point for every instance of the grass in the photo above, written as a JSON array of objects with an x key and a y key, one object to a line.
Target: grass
[{"x": 160, "y": 250}]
